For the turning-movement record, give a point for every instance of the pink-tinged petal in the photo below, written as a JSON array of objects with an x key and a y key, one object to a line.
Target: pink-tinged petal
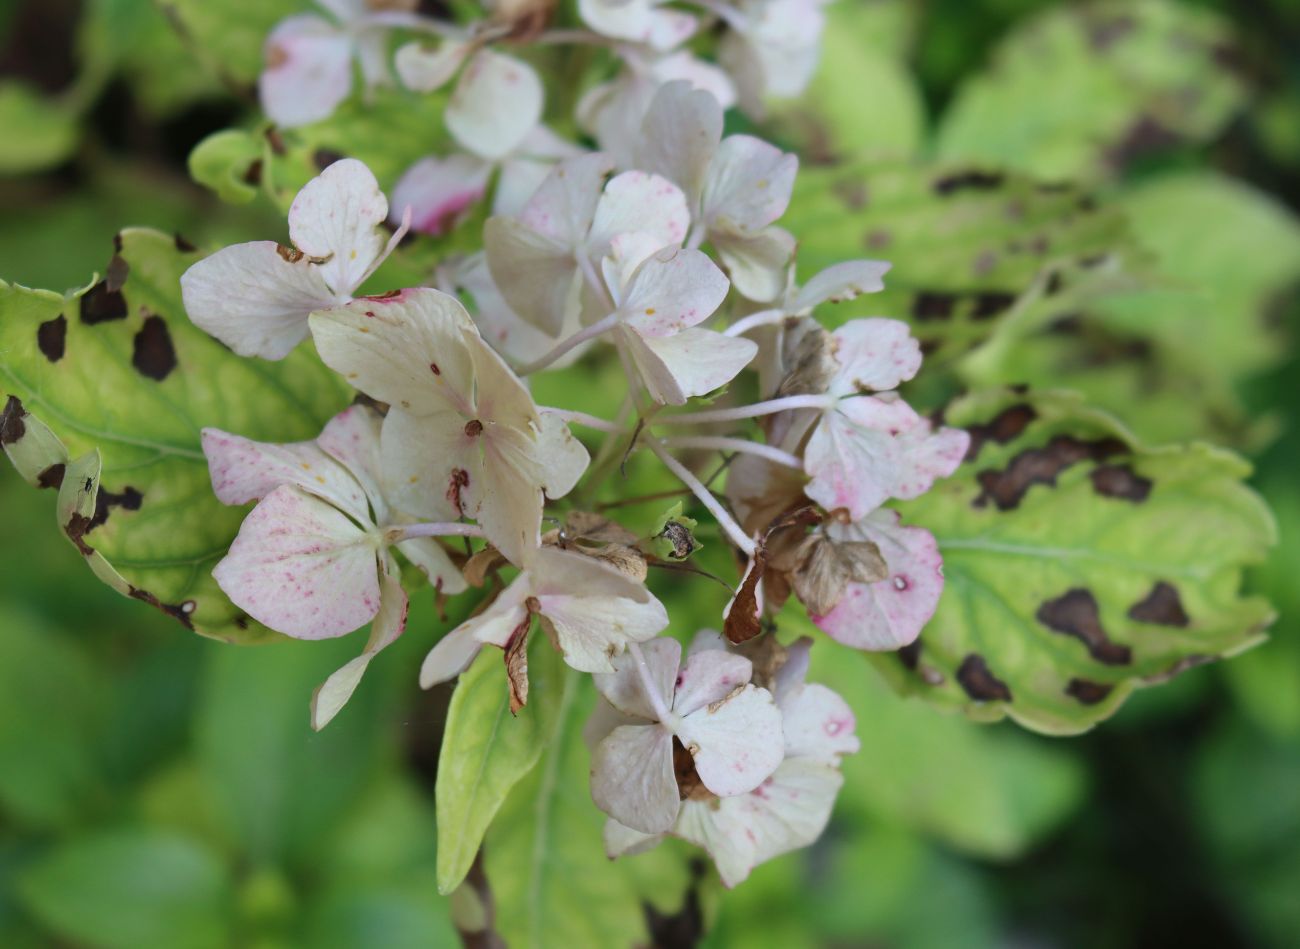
[
  {"x": 874, "y": 355},
  {"x": 749, "y": 185},
  {"x": 621, "y": 841},
  {"x": 786, "y": 812},
  {"x": 624, "y": 689},
  {"x": 932, "y": 455},
  {"x": 352, "y": 439},
  {"x": 408, "y": 350},
  {"x": 535, "y": 273},
  {"x": 423, "y": 70},
  {"x": 243, "y": 470},
  {"x": 757, "y": 263},
  {"x": 889, "y": 614},
  {"x": 565, "y": 204},
  {"x": 308, "y": 71},
  {"x": 595, "y": 610},
  {"x": 301, "y": 567},
  {"x": 672, "y": 290},
  {"x": 694, "y": 362},
  {"x": 337, "y": 215},
  {"x": 388, "y": 624},
  {"x": 497, "y": 101},
  {"x": 708, "y": 676},
  {"x": 560, "y": 457},
  {"x": 817, "y": 724},
  {"x": 736, "y": 741},
  {"x": 640, "y": 202},
  {"x": 840, "y": 282},
  {"x": 776, "y": 52},
  {"x": 632, "y": 778},
  {"x": 857, "y": 457},
  {"x": 439, "y": 191},
  {"x": 680, "y": 135},
  {"x": 254, "y": 297},
  {"x": 640, "y": 21}
]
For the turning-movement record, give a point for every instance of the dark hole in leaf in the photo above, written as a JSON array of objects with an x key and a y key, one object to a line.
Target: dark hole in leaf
[
  {"x": 970, "y": 179},
  {"x": 1089, "y": 693},
  {"x": 183, "y": 245},
  {"x": 910, "y": 655},
  {"x": 979, "y": 682},
  {"x": 990, "y": 303},
  {"x": 100, "y": 304},
  {"x": 1075, "y": 613},
  {"x": 154, "y": 355},
  {"x": 51, "y": 477},
  {"x": 129, "y": 499},
  {"x": 1120, "y": 481},
  {"x": 1161, "y": 606},
  {"x": 324, "y": 157},
  {"x": 12, "y": 426},
  {"x": 52, "y": 338},
  {"x": 1006, "y": 488},
  {"x": 177, "y": 611},
  {"x": 933, "y": 306}
]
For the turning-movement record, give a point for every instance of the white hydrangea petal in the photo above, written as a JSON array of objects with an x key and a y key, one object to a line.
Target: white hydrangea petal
[
  {"x": 758, "y": 264},
  {"x": 623, "y": 688},
  {"x": 422, "y": 69},
  {"x": 622, "y": 841},
  {"x": 505, "y": 496},
  {"x": 736, "y": 741},
  {"x": 714, "y": 826},
  {"x": 535, "y": 273},
  {"x": 709, "y": 675},
  {"x": 874, "y": 354},
  {"x": 749, "y": 184},
  {"x": 889, "y": 614},
  {"x": 565, "y": 204},
  {"x": 253, "y": 298},
  {"x": 640, "y": 202},
  {"x": 497, "y": 101},
  {"x": 500, "y": 397},
  {"x": 638, "y": 20},
  {"x": 421, "y": 458},
  {"x": 672, "y": 290},
  {"x": 509, "y": 333},
  {"x": 330, "y": 697},
  {"x": 308, "y": 71},
  {"x": 817, "y": 724},
  {"x": 700, "y": 73},
  {"x": 839, "y": 282},
  {"x": 408, "y": 349},
  {"x": 693, "y": 362},
  {"x": 856, "y": 458},
  {"x": 243, "y": 470},
  {"x": 707, "y": 639},
  {"x": 561, "y": 458},
  {"x": 517, "y": 182},
  {"x": 431, "y": 558},
  {"x": 493, "y": 627},
  {"x": 632, "y": 778},
  {"x": 337, "y": 215},
  {"x": 449, "y": 657},
  {"x": 438, "y": 192},
  {"x": 301, "y": 567},
  {"x": 680, "y": 134}
]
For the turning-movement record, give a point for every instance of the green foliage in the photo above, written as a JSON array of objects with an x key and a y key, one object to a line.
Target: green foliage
[
  {"x": 37, "y": 133},
  {"x": 1079, "y": 565},
  {"x": 228, "y": 36},
  {"x": 486, "y": 750},
  {"x": 1126, "y": 80},
  {"x": 135, "y": 380}
]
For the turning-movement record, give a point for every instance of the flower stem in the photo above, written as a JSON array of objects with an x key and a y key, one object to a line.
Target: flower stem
[
  {"x": 569, "y": 342},
  {"x": 770, "y": 407},
  {"x": 754, "y": 321},
  {"x": 401, "y": 532},
  {"x": 771, "y": 453},
  {"x": 582, "y": 418},
  {"x": 663, "y": 713},
  {"x": 720, "y": 513}
]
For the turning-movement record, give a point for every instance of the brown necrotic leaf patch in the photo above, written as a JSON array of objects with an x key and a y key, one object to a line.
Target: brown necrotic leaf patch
[
  {"x": 153, "y": 354},
  {"x": 52, "y": 338},
  {"x": 12, "y": 426},
  {"x": 1161, "y": 606},
  {"x": 1075, "y": 613},
  {"x": 971, "y": 179},
  {"x": 129, "y": 499},
  {"x": 104, "y": 301},
  {"x": 1089, "y": 693},
  {"x": 1007, "y": 425},
  {"x": 177, "y": 611},
  {"x": 979, "y": 681},
  {"x": 929, "y": 305},
  {"x": 51, "y": 477},
  {"x": 1120, "y": 481},
  {"x": 1007, "y": 487}
]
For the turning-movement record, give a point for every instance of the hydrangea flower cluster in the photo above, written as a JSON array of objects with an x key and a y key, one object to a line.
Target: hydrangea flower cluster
[{"x": 660, "y": 247}]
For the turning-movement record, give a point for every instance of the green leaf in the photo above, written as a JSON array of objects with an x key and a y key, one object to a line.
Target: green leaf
[
  {"x": 1079, "y": 565},
  {"x": 1084, "y": 90},
  {"x": 226, "y": 161},
  {"x": 545, "y": 860},
  {"x": 227, "y": 37},
  {"x": 486, "y": 751},
  {"x": 35, "y": 133},
  {"x": 119, "y": 368},
  {"x": 131, "y": 887}
]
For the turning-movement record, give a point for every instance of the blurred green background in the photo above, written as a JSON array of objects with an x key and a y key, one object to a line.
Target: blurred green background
[{"x": 161, "y": 790}]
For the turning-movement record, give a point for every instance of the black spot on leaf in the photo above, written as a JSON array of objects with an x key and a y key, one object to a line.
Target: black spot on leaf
[
  {"x": 183, "y": 245},
  {"x": 1008, "y": 424},
  {"x": 969, "y": 180},
  {"x": 1089, "y": 693},
  {"x": 52, "y": 338},
  {"x": 51, "y": 477},
  {"x": 990, "y": 303},
  {"x": 1161, "y": 606},
  {"x": 324, "y": 157},
  {"x": 129, "y": 499},
  {"x": 1145, "y": 136},
  {"x": 979, "y": 682},
  {"x": 1007, "y": 487},
  {"x": 910, "y": 655},
  {"x": 118, "y": 269},
  {"x": 1075, "y": 613},
  {"x": 12, "y": 426},
  {"x": 153, "y": 354},
  {"x": 178, "y": 611},
  {"x": 100, "y": 304},
  {"x": 253, "y": 174},
  {"x": 1120, "y": 481},
  {"x": 933, "y": 306}
]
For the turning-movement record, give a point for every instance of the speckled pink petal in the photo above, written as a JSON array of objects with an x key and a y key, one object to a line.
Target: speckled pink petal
[
  {"x": 749, "y": 185},
  {"x": 679, "y": 136},
  {"x": 632, "y": 777},
  {"x": 301, "y": 567},
  {"x": 817, "y": 724},
  {"x": 889, "y": 614},
  {"x": 254, "y": 298},
  {"x": 708, "y": 675},
  {"x": 308, "y": 71},
  {"x": 243, "y": 470},
  {"x": 352, "y": 439},
  {"x": 636, "y": 201},
  {"x": 874, "y": 355},
  {"x": 337, "y": 215},
  {"x": 736, "y": 741},
  {"x": 623, "y": 688},
  {"x": 671, "y": 291},
  {"x": 439, "y": 192}
]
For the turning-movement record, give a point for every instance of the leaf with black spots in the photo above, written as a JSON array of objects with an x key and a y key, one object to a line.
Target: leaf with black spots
[
  {"x": 137, "y": 389},
  {"x": 1065, "y": 594}
]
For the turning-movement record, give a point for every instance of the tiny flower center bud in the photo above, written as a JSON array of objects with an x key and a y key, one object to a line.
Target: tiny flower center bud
[
  {"x": 473, "y": 428},
  {"x": 533, "y": 605}
]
